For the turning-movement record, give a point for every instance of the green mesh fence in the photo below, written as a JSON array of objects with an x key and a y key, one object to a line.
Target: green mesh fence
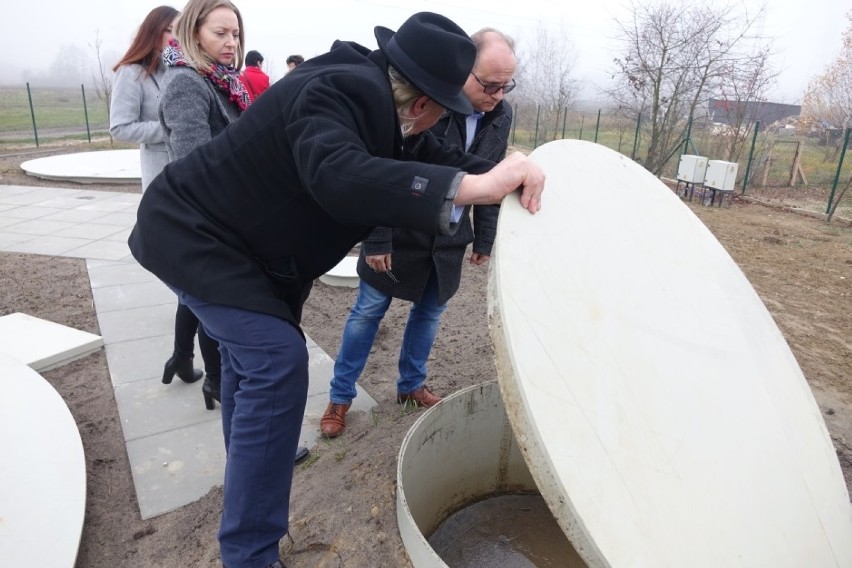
[{"x": 59, "y": 112}]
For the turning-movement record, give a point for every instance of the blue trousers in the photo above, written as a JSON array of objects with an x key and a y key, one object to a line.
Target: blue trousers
[
  {"x": 264, "y": 390},
  {"x": 360, "y": 332}
]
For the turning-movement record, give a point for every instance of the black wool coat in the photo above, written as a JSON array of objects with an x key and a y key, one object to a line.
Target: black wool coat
[
  {"x": 252, "y": 217},
  {"x": 414, "y": 254}
]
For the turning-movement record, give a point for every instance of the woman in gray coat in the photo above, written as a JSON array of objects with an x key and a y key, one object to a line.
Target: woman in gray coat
[{"x": 136, "y": 92}]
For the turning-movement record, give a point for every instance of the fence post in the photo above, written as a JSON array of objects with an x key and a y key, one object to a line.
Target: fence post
[
  {"x": 750, "y": 156},
  {"x": 597, "y": 125},
  {"x": 564, "y": 119},
  {"x": 636, "y": 136},
  {"x": 688, "y": 134},
  {"x": 839, "y": 167},
  {"x": 582, "y": 122},
  {"x": 537, "y": 116},
  {"x": 32, "y": 114},
  {"x": 86, "y": 113}
]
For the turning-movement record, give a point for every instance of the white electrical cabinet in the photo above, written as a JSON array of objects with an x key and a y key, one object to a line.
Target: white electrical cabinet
[
  {"x": 691, "y": 169},
  {"x": 721, "y": 175}
]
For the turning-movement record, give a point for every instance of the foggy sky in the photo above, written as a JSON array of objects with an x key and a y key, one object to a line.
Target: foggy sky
[{"x": 807, "y": 35}]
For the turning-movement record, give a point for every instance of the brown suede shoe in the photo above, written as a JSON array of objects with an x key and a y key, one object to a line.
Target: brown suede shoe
[
  {"x": 421, "y": 397},
  {"x": 333, "y": 420}
]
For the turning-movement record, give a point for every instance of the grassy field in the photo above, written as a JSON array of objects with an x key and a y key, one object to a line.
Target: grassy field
[{"x": 58, "y": 112}]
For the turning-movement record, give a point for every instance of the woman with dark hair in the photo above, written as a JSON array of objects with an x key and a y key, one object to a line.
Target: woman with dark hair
[
  {"x": 255, "y": 80},
  {"x": 135, "y": 98}
]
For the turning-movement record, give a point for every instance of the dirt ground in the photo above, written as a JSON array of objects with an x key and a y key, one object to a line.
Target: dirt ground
[{"x": 343, "y": 502}]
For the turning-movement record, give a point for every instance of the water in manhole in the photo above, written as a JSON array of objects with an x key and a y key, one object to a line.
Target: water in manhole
[{"x": 505, "y": 531}]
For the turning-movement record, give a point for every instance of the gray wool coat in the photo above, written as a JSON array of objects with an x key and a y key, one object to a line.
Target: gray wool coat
[
  {"x": 133, "y": 117},
  {"x": 192, "y": 111},
  {"x": 415, "y": 254}
]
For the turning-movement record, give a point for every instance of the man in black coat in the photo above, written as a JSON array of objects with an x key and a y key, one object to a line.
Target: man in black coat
[
  {"x": 420, "y": 267},
  {"x": 241, "y": 226}
]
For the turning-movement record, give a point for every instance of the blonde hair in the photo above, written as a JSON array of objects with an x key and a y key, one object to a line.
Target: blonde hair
[
  {"x": 191, "y": 19},
  {"x": 404, "y": 95}
]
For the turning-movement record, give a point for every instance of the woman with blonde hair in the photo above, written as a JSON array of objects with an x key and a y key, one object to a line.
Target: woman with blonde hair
[
  {"x": 201, "y": 95},
  {"x": 136, "y": 94}
]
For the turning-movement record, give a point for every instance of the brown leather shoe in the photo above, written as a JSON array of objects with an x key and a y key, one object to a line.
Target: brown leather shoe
[
  {"x": 421, "y": 397},
  {"x": 333, "y": 420}
]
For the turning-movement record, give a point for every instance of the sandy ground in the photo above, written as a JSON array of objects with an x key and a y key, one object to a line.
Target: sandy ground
[{"x": 343, "y": 502}]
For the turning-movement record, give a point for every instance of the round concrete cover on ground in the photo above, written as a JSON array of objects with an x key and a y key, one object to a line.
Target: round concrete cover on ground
[
  {"x": 343, "y": 274},
  {"x": 661, "y": 412},
  {"x": 108, "y": 166}
]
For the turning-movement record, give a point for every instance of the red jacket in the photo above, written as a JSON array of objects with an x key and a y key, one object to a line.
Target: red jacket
[{"x": 255, "y": 80}]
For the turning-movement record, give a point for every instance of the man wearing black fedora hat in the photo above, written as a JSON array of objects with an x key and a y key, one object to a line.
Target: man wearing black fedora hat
[{"x": 241, "y": 226}]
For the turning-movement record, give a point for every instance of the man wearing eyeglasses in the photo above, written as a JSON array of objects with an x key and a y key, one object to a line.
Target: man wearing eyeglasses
[{"x": 422, "y": 268}]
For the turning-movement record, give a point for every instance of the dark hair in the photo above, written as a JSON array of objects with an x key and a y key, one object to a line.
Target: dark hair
[
  {"x": 296, "y": 59},
  {"x": 253, "y": 58},
  {"x": 146, "y": 47}
]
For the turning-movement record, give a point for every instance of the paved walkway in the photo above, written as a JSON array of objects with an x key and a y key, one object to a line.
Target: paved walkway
[{"x": 174, "y": 444}]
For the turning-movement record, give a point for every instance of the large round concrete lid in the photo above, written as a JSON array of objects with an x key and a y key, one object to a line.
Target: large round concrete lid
[
  {"x": 657, "y": 404},
  {"x": 105, "y": 166}
]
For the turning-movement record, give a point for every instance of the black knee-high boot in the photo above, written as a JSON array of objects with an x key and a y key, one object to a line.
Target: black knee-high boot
[
  {"x": 180, "y": 363},
  {"x": 211, "y": 390},
  {"x": 212, "y": 367}
]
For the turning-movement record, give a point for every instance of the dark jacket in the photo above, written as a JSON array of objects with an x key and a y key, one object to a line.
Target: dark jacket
[
  {"x": 251, "y": 218},
  {"x": 415, "y": 253}
]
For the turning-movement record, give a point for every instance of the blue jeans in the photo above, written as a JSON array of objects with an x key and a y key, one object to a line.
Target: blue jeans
[
  {"x": 360, "y": 332},
  {"x": 264, "y": 390}
]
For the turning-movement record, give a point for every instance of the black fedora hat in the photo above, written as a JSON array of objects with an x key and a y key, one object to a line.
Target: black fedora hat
[{"x": 434, "y": 54}]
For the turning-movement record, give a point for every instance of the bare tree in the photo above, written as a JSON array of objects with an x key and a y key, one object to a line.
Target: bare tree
[
  {"x": 828, "y": 100},
  {"x": 742, "y": 87},
  {"x": 545, "y": 75},
  {"x": 102, "y": 74},
  {"x": 673, "y": 56}
]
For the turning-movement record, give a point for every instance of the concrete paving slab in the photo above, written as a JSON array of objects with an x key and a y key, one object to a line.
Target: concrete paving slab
[
  {"x": 30, "y": 212},
  {"x": 137, "y": 323},
  {"x": 113, "y": 273},
  {"x": 9, "y": 239},
  {"x": 39, "y": 226},
  {"x": 149, "y": 407},
  {"x": 49, "y": 245},
  {"x": 120, "y": 219},
  {"x": 88, "y": 230},
  {"x": 176, "y": 467},
  {"x": 138, "y": 359},
  {"x": 9, "y": 221},
  {"x": 114, "y": 298},
  {"x": 120, "y": 236},
  {"x": 106, "y": 250},
  {"x": 109, "y": 206},
  {"x": 73, "y": 215},
  {"x": 17, "y": 195},
  {"x": 43, "y": 345}
]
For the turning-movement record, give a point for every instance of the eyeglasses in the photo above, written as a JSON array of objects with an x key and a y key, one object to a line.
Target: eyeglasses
[{"x": 493, "y": 89}]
